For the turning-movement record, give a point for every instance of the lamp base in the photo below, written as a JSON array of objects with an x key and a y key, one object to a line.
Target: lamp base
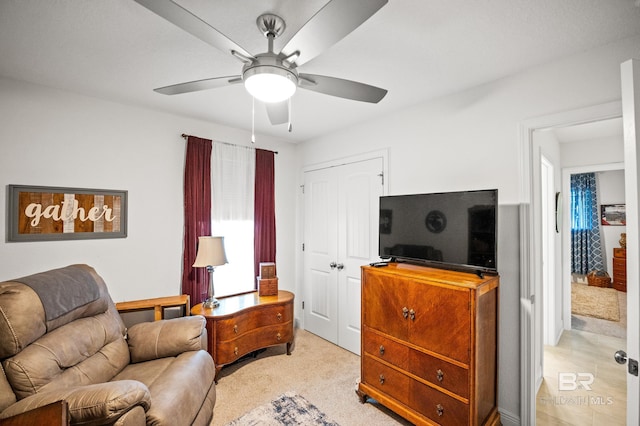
[{"x": 211, "y": 303}]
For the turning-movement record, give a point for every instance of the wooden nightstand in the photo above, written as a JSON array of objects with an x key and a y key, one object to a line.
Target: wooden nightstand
[{"x": 245, "y": 323}]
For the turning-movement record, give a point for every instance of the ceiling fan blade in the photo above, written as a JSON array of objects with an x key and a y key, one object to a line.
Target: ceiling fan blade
[
  {"x": 328, "y": 26},
  {"x": 278, "y": 112},
  {"x": 189, "y": 22},
  {"x": 194, "y": 86},
  {"x": 341, "y": 88}
]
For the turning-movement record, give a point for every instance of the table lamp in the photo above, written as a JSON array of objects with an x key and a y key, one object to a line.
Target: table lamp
[{"x": 210, "y": 254}]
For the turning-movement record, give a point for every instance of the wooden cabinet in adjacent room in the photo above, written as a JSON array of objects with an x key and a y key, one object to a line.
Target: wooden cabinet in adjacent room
[
  {"x": 429, "y": 344},
  {"x": 620, "y": 269}
]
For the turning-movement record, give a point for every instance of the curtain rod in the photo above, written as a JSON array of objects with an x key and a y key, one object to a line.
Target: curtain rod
[{"x": 185, "y": 136}]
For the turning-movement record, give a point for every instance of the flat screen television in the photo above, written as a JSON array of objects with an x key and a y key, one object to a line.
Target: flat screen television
[{"x": 452, "y": 230}]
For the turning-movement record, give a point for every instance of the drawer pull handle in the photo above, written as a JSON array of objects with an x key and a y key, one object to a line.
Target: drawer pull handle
[
  {"x": 279, "y": 316},
  {"x": 412, "y": 315},
  {"x": 405, "y": 312},
  {"x": 235, "y": 328},
  {"x": 278, "y": 336},
  {"x": 439, "y": 410},
  {"x": 440, "y": 375},
  {"x": 381, "y": 379},
  {"x": 235, "y": 350},
  {"x": 381, "y": 350}
]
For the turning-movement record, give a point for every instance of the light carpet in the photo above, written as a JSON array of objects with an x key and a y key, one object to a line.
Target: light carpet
[
  {"x": 288, "y": 409},
  {"x": 596, "y": 302}
]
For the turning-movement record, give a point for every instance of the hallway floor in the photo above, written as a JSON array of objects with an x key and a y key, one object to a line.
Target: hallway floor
[{"x": 582, "y": 384}]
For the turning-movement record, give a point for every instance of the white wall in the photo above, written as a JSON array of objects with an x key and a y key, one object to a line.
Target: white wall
[
  {"x": 54, "y": 138},
  {"x": 470, "y": 141}
]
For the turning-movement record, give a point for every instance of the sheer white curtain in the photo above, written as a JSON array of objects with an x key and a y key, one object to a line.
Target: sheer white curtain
[{"x": 232, "y": 200}]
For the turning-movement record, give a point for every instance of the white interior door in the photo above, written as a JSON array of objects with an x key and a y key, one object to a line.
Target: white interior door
[
  {"x": 359, "y": 194},
  {"x": 341, "y": 234},
  {"x": 630, "y": 77},
  {"x": 321, "y": 253}
]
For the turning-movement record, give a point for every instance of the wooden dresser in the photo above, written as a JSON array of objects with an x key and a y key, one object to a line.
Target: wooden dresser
[
  {"x": 429, "y": 344},
  {"x": 620, "y": 269},
  {"x": 245, "y": 323}
]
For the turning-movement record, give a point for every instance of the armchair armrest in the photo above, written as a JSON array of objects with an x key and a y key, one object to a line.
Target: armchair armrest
[
  {"x": 160, "y": 339},
  {"x": 92, "y": 404}
]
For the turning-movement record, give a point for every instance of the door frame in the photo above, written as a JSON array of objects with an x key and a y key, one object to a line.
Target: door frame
[
  {"x": 341, "y": 161},
  {"x": 528, "y": 252}
]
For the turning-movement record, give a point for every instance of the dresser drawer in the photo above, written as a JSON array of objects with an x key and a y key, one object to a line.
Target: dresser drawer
[
  {"x": 230, "y": 350},
  {"x": 440, "y": 373},
  {"x": 241, "y": 323},
  {"x": 619, "y": 264},
  {"x": 437, "y": 406},
  {"x": 385, "y": 379},
  {"x": 386, "y": 349}
]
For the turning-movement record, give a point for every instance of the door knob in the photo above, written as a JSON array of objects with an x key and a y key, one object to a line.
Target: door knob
[
  {"x": 340, "y": 266},
  {"x": 620, "y": 357},
  {"x": 333, "y": 265}
]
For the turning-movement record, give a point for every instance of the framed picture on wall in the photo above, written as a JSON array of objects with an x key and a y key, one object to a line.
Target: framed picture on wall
[
  {"x": 44, "y": 213},
  {"x": 613, "y": 214}
]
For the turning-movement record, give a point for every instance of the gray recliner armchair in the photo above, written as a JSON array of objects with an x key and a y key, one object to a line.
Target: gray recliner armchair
[{"x": 61, "y": 338}]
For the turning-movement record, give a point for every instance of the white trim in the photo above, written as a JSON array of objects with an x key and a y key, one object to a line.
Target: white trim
[{"x": 527, "y": 249}]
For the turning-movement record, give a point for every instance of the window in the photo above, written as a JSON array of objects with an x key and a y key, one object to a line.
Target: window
[{"x": 232, "y": 210}]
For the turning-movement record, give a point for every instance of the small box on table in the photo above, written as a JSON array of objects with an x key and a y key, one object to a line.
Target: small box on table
[
  {"x": 267, "y": 270},
  {"x": 267, "y": 286}
]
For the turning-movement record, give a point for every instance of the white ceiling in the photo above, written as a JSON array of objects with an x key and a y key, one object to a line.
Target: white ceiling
[{"x": 417, "y": 49}]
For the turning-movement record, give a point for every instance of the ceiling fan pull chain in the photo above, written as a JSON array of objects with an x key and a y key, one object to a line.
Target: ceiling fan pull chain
[
  {"x": 289, "y": 127},
  {"x": 253, "y": 120}
]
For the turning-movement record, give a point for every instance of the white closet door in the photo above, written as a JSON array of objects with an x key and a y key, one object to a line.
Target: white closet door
[{"x": 341, "y": 234}]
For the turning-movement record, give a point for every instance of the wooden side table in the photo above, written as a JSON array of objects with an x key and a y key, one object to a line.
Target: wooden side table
[{"x": 245, "y": 323}]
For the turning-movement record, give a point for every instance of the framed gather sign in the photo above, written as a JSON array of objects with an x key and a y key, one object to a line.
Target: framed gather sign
[{"x": 44, "y": 213}]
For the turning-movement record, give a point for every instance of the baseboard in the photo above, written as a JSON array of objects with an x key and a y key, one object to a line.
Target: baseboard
[{"x": 509, "y": 419}]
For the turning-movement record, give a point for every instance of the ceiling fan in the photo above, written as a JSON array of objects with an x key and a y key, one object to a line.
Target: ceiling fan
[{"x": 273, "y": 77}]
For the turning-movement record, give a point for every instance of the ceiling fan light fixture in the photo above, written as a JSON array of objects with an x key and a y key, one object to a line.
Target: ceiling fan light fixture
[{"x": 269, "y": 83}]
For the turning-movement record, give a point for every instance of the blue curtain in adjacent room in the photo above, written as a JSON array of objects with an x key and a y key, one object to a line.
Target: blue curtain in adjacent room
[{"x": 586, "y": 247}]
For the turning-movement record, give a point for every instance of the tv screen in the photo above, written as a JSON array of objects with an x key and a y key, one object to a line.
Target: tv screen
[{"x": 456, "y": 230}]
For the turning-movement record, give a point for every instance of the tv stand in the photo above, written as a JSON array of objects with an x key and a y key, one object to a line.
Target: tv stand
[{"x": 429, "y": 352}]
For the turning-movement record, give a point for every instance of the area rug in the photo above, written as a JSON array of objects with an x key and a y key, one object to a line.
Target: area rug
[
  {"x": 287, "y": 409},
  {"x": 596, "y": 302}
]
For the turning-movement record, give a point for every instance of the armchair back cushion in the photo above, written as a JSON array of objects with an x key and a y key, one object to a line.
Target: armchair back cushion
[{"x": 83, "y": 345}]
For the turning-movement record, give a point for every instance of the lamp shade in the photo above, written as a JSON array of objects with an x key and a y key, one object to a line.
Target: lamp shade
[
  {"x": 269, "y": 83},
  {"x": 210, "y": 252}
]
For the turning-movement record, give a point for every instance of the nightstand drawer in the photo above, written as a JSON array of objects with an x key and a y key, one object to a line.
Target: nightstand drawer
[
  {"x": 231, "y": 328},
  {"x": 230, "y": 350}
]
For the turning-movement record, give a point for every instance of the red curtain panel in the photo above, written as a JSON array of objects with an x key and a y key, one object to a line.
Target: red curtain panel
[
  {"x": 197, "y": 215},
  {"x": 265, "y": 210}
]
